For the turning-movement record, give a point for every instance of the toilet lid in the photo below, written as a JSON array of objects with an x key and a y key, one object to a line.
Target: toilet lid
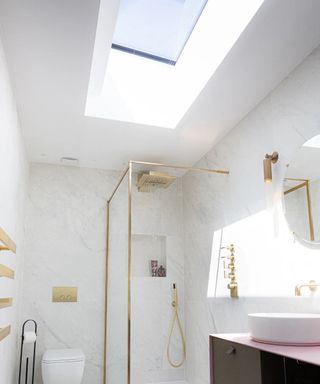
[{"x": 62, "y": 356}]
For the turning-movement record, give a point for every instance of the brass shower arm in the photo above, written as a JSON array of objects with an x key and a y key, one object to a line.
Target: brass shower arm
[{"x": 196, "y": 169}]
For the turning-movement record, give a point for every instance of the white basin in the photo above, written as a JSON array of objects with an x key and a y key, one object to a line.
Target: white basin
[{"x": 285, "y": 328}]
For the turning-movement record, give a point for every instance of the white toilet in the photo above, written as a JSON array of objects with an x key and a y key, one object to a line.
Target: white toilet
[{"x": 62, "y": 366}]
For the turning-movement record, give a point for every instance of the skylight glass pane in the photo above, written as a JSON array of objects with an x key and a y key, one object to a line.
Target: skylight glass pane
[{"x": 156, "y": 29}]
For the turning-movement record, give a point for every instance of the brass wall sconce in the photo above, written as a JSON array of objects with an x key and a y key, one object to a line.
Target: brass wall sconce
[{"x": 267, "y": 166}]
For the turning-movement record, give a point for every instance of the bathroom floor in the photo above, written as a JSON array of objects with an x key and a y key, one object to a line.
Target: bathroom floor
[{"x": 172, "y": 382}]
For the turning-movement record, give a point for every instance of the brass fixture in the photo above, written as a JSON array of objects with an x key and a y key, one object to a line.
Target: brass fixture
[
  {"x": 4, "y": 332},
  {"x": 267, "y": 166},
  {"x": 230, "y": 271},
  {"x": 304, "y": 183},
  {"x": 176, "y": 319},
  {"x": 312, "y": 285},
  {"x": 6, "y": 272},
  {"x": 64, "y": 294},
  {"x": 149, "y": 181},
  {"x": 6, "y": 244},
  {"x": 5, "y": 302},
  {"x": 129, "y": 172}
]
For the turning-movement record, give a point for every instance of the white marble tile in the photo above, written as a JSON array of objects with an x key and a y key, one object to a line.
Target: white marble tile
[
  {"x": 65, "y": 246},
  {"x": 269, "y": 263}
]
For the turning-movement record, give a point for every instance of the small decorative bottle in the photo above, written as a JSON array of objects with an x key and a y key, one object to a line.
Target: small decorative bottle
[
  {"x": 162, "y": 271},
  {"x": 154, "y": 267}
]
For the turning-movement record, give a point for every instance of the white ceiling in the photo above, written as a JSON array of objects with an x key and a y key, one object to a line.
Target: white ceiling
[{"x": 49, "y": 46}]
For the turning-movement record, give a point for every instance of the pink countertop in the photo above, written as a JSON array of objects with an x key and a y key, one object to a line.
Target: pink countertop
[{"x": 308, "y": 354}]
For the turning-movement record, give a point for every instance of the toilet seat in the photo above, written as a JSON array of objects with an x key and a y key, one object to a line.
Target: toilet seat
[
  {"x": 63, "y": 366},
  {"x": 62, "y": 356}
]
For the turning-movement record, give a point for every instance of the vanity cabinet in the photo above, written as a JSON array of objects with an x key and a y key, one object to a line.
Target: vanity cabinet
[
  {"x": 235, "y": 363},
  {"x": 236, "y": 359}
]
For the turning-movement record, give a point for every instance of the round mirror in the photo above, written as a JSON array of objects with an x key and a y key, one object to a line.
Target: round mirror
[{"x": 302, "y": 192}]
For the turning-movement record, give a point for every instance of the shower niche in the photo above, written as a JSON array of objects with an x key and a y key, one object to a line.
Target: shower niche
[{"x": 149, "y": 248}]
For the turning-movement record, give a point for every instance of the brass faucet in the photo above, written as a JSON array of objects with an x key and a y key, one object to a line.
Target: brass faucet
[
  {"x": 233, "y": 285},
  {"x": 312, "y": 285}
]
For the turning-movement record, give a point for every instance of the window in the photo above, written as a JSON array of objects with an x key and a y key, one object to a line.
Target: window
[{"x": 156, "y": 29}]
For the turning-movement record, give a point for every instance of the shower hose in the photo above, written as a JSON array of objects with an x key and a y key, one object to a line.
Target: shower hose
[{"x": 176, "y": 319}]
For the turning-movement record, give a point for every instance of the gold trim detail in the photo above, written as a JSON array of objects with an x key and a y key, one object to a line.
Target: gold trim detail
[
  {"x": 64, "y": 294},
  {"x": 6, "y": 272},
  {"x": 219, "y": 171},
  {"x": 4, "y": 332},
  {"x": 6, "y": 302},
  {"x": 129, "y": 267},
  {"x": 7, "y": 243},
  {"x": 305, "y": 183},
  {"x": 106, "y": 294},
  {"x": 118, "y": 185}
]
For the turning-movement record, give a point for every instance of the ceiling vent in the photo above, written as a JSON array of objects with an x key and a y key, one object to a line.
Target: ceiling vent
[{"x": 71, "y": 161}]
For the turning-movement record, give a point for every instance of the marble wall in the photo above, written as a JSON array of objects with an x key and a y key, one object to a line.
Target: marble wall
[
  {"x": 158, "y": 216},
  {"x": 65, "y": 232},
  {"x": 240, "y": 204},
  {"x": 156, "y": 234},
  {"x": 65, "y": 245},
  {"x": 13, "y": 173}
]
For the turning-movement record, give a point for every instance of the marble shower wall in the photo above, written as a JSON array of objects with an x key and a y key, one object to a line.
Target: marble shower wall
[
  {"x": 65, "y": 246},
  {"x": 157, "y": 234},
  {"x": 65, "y": 229},
  {"x": 240, "y": 204},
  {"x": 13, "y": 174}
]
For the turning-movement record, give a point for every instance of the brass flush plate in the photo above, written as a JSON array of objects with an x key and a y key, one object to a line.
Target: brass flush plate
[{"x": 64, "y": 294}]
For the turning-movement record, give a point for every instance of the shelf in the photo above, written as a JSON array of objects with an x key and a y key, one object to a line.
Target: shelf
[
  {"x": 147, "y": 247},
  {"x": 4, "y": 332},
  {"x": 6, "y": 244},
  {"x": 5, "y": 302},
  {"x": 6, "y": 272}
]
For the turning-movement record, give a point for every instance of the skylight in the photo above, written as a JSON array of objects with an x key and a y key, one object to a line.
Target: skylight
[
  {"x": 150, "y": 92},
  {"x": 155, "y": 29}
]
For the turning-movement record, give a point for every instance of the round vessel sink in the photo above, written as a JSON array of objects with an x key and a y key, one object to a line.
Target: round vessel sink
[{"x": 285, "y": 328}]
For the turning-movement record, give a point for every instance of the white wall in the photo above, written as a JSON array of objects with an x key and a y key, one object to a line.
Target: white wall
[
  {"x": 273, "y": 262},
  {"x": 13, "y": 178}
]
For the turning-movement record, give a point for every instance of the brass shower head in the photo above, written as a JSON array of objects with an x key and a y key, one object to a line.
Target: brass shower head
[{"x": 151, "y": 180}]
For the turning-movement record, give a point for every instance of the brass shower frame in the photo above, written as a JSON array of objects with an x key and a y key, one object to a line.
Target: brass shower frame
[{"x": 129, "y": 171}]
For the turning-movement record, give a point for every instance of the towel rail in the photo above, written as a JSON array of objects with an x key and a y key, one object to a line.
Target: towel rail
[
  {"x": 6, "y": 272},
  {"x": 5, "y": 302},
  {"x": 4, "y": 332},
  {"x": 6, "y": 244}
]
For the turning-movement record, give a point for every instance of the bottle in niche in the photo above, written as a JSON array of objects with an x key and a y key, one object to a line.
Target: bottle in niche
[
  {"x": 162, "y": 271},
  {"x": 154, "y": 268}
]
